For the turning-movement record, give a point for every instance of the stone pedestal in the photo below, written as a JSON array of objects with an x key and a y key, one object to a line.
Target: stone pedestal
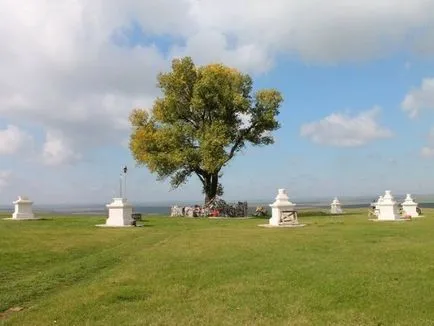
[
  {"x": 409, "y": 207},
  {"x": 283, "y": 213},
  {"x": 23, "y": 209},
  {"x": 119, "y": 213},
  {"x": 335, "y": 207},
  {"x": 388, "y": 209},
  {"x": 281, "y": 204}
]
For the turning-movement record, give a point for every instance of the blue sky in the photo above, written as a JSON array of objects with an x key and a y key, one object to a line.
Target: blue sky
[{"x": 358, "y": 84}]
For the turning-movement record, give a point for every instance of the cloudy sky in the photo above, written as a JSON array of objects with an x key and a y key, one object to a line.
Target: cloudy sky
[{"x": 357, "y": 78}]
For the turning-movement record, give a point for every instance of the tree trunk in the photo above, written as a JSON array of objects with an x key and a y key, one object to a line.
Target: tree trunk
[{"x": 210, "y": 185}]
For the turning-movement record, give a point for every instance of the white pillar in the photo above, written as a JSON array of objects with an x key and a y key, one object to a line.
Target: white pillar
[
  {"x": 119, "y": 213},
  {"x": 335, "y": 206},
  {"x": 388, "y": 209},
  {"x": 281, "y": 203},
  {"x": 409, "y": 207},
  {"x": 23, "y": 209},
  {"x": 377, "y": 205}
]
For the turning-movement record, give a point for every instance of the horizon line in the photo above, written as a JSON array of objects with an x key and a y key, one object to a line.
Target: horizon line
[{"x": 301, "y": 199}]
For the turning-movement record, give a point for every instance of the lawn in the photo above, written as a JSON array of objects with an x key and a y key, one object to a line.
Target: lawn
[{"x": 343, "y": 270}]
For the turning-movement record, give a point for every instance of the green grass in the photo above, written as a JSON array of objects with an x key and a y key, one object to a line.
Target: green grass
[{"x": 342, "y": 270}]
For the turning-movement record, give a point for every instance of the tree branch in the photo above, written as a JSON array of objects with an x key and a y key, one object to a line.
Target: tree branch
[
  {"x": 200, "y": 177},
  {"x": 238, "y": 142}
]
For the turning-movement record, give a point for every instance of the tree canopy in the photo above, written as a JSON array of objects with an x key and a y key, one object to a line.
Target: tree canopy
[{"x": 205, "y": 116}]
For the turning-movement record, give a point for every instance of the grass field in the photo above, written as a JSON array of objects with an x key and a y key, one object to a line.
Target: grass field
[{"x": 342, "y": 270}]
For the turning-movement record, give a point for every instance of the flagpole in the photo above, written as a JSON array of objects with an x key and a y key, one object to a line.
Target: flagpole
[
  {"x": 125, "y": 185},
  {"x": 120, "y": 186},
  {"x": 125, "y": 170}
]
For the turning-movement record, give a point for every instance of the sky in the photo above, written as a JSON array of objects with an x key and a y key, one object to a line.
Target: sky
[{"x": 357, "y": 79}]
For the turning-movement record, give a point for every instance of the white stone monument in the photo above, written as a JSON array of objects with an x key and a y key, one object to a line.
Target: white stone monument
[
  {"x": 409, "y": 207},
  {"x": 388, "y": 209},
  {"x": 119, "y": 213},
  {"x": 23, "y": 209},
  {"x": 283, "y": 213},
  {"x": 375, "y": 208},
  {"x": 335, "y": 206}
]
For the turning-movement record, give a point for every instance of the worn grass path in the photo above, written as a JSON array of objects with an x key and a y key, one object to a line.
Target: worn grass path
[{"x": 342, "y": 270}]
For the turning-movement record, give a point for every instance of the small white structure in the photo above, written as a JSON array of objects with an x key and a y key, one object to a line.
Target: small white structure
[
  {"x": 280, "y": 205},
  {"x": 377, "y": 206},
  {"x": 119, "y": 213},
  {"x": 283, "y": 213},
  {"x": 388, "y": 209},
  {"x": 23, "y": 209},
  {"x": 409, "y": 207},
  {"x": 176, "y": 211},
  {"x": 189, "y": 211},
  {"x": 335, "y": 206}
]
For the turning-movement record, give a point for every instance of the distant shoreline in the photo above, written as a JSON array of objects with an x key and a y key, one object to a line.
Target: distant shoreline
[{"x": 165, "y": 210}]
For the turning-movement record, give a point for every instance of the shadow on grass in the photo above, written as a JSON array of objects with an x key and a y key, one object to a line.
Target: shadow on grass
[
  {"x": 145, "y": 226},
  {"x": 39, "y": 219},
  {"x": 313, "y": 214},
  {"x": 139, "y": 226}
]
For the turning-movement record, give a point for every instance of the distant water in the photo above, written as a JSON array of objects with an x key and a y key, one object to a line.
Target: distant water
[
  {"x": 165, "y": 209},
  {"x": 92, "y": 209}
]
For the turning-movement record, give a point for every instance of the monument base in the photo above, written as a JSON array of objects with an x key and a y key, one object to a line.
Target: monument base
[
  {"x": 120, "y": 213},
  {"x": 23, "y": 218},
  {"x": 397, "y": 220}
]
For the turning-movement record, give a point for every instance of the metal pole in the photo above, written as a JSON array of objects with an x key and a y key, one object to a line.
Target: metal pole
[
  {"x": 120, "y": 186},
  {"x": 125, "y": 185},
  {"x": 124, "y": 174}
]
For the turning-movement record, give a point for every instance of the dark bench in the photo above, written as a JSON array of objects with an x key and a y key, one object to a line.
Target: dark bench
[{"x": 136, "y": 216}]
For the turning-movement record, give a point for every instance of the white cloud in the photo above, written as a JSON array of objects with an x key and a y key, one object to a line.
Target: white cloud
[
  {"x": 13, "y": 139},
  {"x": 57, "y": 150},
  {"x": 5, "y": 177},
  {"x": 213, "y": 46},
  {"x": 427, "y": 152},
  {"x": 418, "y": 99},
  {"x": 62, "y": 73},
  {"x": 245, "y": 119},
  {"x": 66, "y": 66},
  {"x": 324, "y": 31},
  {"x": 343, "y": 130}
]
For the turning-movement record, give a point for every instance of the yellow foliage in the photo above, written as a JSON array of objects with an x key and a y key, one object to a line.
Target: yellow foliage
[{"x": 195, "y": 126}]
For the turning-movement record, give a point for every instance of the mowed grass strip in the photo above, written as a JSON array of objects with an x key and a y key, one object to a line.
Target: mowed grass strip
[{"x": 342, "y": 270}]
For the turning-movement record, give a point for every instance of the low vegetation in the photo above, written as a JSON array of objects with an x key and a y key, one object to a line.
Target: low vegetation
[{"x": 338, "y": 270}]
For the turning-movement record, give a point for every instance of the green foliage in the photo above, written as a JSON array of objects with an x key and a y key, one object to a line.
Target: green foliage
[{"x": 199, "y": 123}]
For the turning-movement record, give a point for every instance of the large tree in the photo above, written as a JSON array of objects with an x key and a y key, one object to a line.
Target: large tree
[{"x": 204, "y": 117}]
